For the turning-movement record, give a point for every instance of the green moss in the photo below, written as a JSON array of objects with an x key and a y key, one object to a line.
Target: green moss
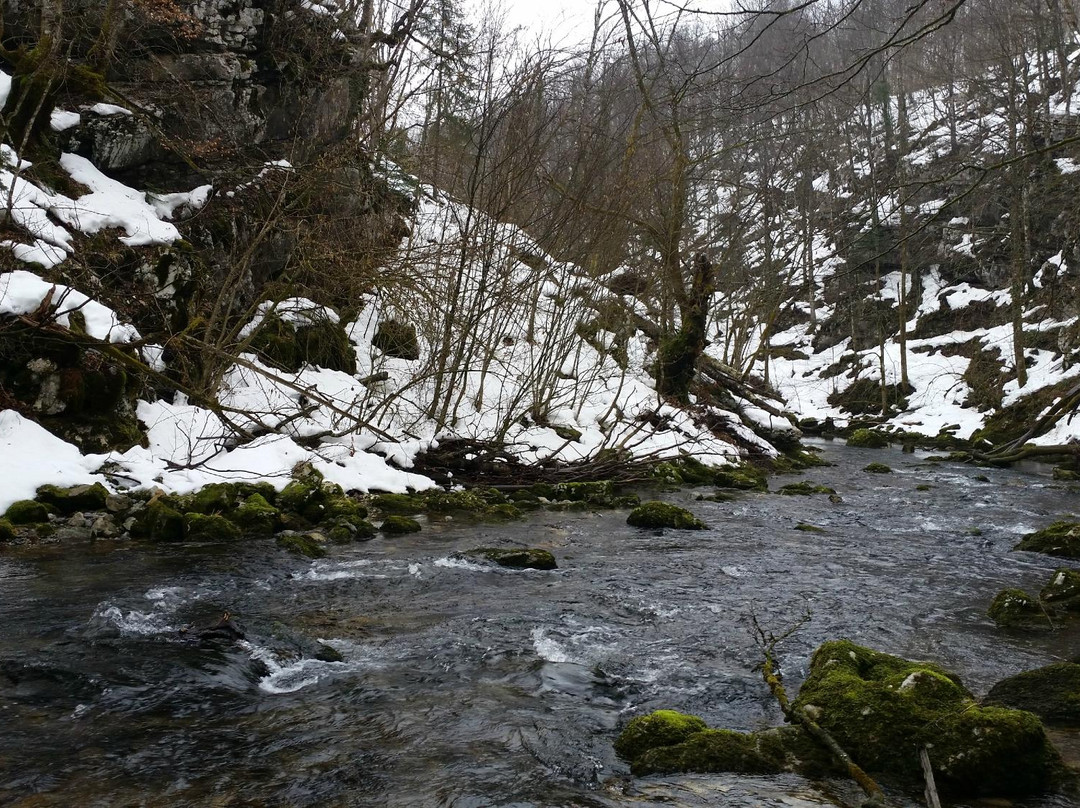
[
  {"x": 264, "y": 490},
  {"x": 1052, "y": 693},
  {"x": 322, "y": 343},
  {"x": 1060, "y": 539},
  {"x": 600, "y": 493},
  {"x": 805, "y": 489},
  {"x": 311, "y": 545},
  {"x": 397, "y": 503},
  {"x": 7, "y": 531},
  {"x": 26, "y": 512},
  {"x": 882, "y": 709},
  {"x": 256, "y": 516},
  {"x": 1014, "y": 606},
  {"x": 924, "y": 487},
  {"x": 656, "y": 730},
  {"x": 877, "y": 468},
  {"x": 867, "y": 439},
  {"x": 158, "y": 522},
  {"x": 210, "y": 527},
  {"x": 741, "y": 478},
  {"x": 397, "y": 525},
  {"x": 513, "y": 557},
  {"x": 656, "y": 514},
  {"x": 713, "y": 750},
  {"x": 1066, "y": 475},
  {"x": 809, "y": 528},
  {"x": 214, "y": 498},
  {"x": 74, "y": 500}
]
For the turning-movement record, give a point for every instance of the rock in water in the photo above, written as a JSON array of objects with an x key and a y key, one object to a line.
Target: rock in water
[
  {"x": 1060, "y": 539},
  {"x": 1052, "y": 693},
  {"x": 663, "y": 514},
  {"x": 513, "y": 557}
]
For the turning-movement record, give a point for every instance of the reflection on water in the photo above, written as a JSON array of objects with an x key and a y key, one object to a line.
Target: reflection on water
[{"x": 454, "y": 684}]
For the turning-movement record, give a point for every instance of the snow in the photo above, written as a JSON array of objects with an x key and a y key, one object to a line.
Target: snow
[
  {"x": 60, "y": 120},
  {"x": 5, "y": 88},
  {"x": 106, "y": 110},
  {"x": 31, "y": 456},
  {"x": 297, "y": 311},
  {"x": 22, "y": 292}
]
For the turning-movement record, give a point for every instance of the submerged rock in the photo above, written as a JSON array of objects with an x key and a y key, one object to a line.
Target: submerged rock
[
  {"x": 877, "y": 468},
  {"x": 663, "y": 514},
  {"x": 1060, "y": 539},
  {"x": 514, "y": 557},
  {"x": 805, "y": 489},
  {"x": 1052, "y": 693}
]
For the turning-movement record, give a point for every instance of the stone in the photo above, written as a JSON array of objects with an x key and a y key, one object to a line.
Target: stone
[
  {"x": 398, "y": 525},
  {"x": 867, "y": 439},
  {"x": 877, "y": 468},
  {"x": 210, "y": 527},
  {"x": 713, "y": 751},
  {"x": 1052, "y": 693},
  {"x": 256, "y": 516},
  {"x": 657, "y": 729},
  {"x": 805, "y": 488},
  {"x": 72, "y": 500},
  {"x": 512, "y": 557},
  {"x": 26, "y": 512},
  {"x": 1012, "y": 607},
  {"x": 104, "y": 527},
  {"x": 657, "y": 514},
  {"x": 7, "y": 531},
  {"x": 1061, "y": 539},
  {"x": 158, "y": 522},
  {"x": 397, "y": 339},
  {"x": 311, "y": 544}
]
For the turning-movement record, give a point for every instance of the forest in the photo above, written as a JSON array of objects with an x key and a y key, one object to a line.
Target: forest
[{"x": 675, "y": 404}]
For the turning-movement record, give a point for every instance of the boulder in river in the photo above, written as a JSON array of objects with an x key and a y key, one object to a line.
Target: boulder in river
[
  {"x": 398, "y": 525},
  {"x": 1013, "y": 607},
  {"x": 867, "y": 439},
  {"x": 521, "y": 558},
  {"x": 805, "y": 488},
  {"x": 77, "y": 499},
  {"x": 663, "y": 514},
  {"x": 1052, "y": 693},
  {"x": 1059, "y": 539}
]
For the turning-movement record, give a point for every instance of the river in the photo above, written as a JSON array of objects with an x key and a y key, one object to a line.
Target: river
[{"x": 467, "y": 686}]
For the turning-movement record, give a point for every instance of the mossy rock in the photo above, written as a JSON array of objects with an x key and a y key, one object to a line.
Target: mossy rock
[
  {"x": 264, "y": 490},
  {"x": 214, "y": 498},
  {"x": 26, "y": 512},
  {"x": 877, "y": 468},
  {"x": 1012, "y": 607},
  {"x": 1061, "y": 539},
  {"x": 512, "y": 557},
  {"x": 210, "y": 527},
  {"x": 308, "y": 499},
  {"x": 470, "y": 501},
  {"x": 1066, "y": 475},
  {"x": 7, "y": 531},
  {"x": 655, "y": 730},
  {"x": 397, "y": 339},
  {"x": 656, "y": 514},
  {"x": 882, "y": 709},
  {"x": 311, "y": 545},
  {"x": 712, "y": 751},
  {"x": 404, "y": 504},
  {"x": 741, "y": 478},
  {"x": 398, "y": 525},
  {"x": 158, "y": 522},
  {"x": 76, "y": 499},
  {"x": 1063, "y": 588},
  {"x": 805, "y": 528},
  {"x": 323, "y": 343},
  {"x": 867, "y": 439},
  {"x": 1052, "y": 693},
  {"x": 924, "y": 487},
  {"x": 256, "y": 516},
  {"x": 804, "y": 489},
  {"x": 600, "y": 493}
]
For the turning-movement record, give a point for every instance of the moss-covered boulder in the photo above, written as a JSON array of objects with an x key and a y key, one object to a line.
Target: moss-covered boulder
[
  {"x": 805, "y": 488},
  {"x": 741, "y": 478},
  {"x": 318, "y": 340},
  {"x": 397, "y": 339},
  {"x": 877, "y": 468},
  {"x": 1063, "y": 589},
  {"x": 210, "y": 527},
  {"x": 1014, "y": 607},
  {"x": 214, "y": 498},
  {"x": 404, "y": 504},
  {"x": 713, "y": 751},
  {"x": 1061, "y": 539},
  {"x": 655, "y": 514},
  {"x": 399, "y": 525},
  {"x": 26, "y": 512},
  {"x": 158, "y": 522},
  {"x": 655, "y": 730},
  {"x": 310, "y": 545},
  {"x": 76, "y": 499},
  {"x": 867, "y": 439},
  {"x": 520, "y": 558},
  {"x": 255, "y": 516},
  {"x": 7, "y": 531},
  {"x": 882, "y": 709},
  {"x": 1052, "y": 693}
]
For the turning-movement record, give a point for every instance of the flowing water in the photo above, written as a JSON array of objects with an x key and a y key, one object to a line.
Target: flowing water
[{"x": 467, "y": 686}]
